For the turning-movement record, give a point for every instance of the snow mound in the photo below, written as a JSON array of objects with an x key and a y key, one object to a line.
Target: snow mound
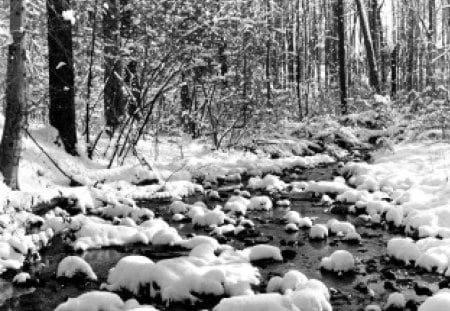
[
  {"x": 93, "y": 301},
  {"x": 269, "y": 182},
  {"x": 318, "y": 232},
  {"x": 131, "y": 272},
  {"x": 264, "y": 251},
  {"x": 260, "y": 203},
  {"x": 440, "y": 301},
  {"x": 73, "y": 265},
  {"x": 396, "y": 300},
  {"x": 335, "y": 226},
  {"x": 21, "y": 278},
  {"x": 215, "y": 217},
  {"x": 185, "y": 278},
  {"x": 336, "y": 186},
  {"x": 403, "y": 249},
  {"x": 340, "y": 261},
  {"x": 262, "y": 302}
]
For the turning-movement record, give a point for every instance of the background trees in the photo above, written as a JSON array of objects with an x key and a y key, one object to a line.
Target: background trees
[{"x": 225, "y": 70}]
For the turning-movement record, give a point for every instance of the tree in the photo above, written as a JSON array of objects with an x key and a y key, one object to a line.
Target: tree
[
  {"x": 341, "y": 51},
  {"x": 371, "y": 57},
  {"x": 15, "y": 116},
  {"x": 61, "y": 72},
  {"x": 113, "y": 96}
]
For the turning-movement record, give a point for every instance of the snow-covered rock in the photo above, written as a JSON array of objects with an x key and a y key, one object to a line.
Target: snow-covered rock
[
  {"x": 318, "y": 232},
  {"x": 339, "y": 261},
  {"x": 440, "y": 301},
  {"x": 73, "y": 265}
]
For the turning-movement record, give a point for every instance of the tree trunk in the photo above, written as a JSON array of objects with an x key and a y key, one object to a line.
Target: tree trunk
[
  {"x": 341, "y": 51},
  {"x": 298, "y": 61},
  {"x": 431, "y": 43},
  {"x": 371, "y": 57},
  {"x": 394, "y": 65},
  {"x": 15, "y": 116},
  {"x": 411, "y": 50},
  {"x": 268, "y": 48},
  {"x": 114, "y": 103},
  {"x": 61, "y": 74}
]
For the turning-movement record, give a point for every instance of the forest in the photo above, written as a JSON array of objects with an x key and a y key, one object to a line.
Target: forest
[{"x": 279, "y": 155}]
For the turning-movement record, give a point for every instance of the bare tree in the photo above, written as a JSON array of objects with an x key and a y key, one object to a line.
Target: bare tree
[
  {"x": 341, "y": 51},
  {"x": 114, "y": 102},
  {"x": 15, "y": 116},
  {"x": 371, "y": 57},
  {"x": 61, "y": 73}
]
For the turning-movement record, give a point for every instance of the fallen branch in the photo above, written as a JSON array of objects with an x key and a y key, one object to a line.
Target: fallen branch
[{"x": 73, "y": 181}]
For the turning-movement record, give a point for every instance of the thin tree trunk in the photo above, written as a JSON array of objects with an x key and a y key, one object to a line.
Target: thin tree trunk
[
  {"x": 268, "y": 58},
  {"x": 341, "y": 51},
  {"x": 298, "y": 60},
  {"x": 15, "y": 116},
  {"x": 431, "y": 43},
  {"x": 394, "y": 65},
  {"x": 371, "y": 57},
  {"x": 89, "y": 82},
  {"x": 114, "y": 103},
  {"x": 411, "y": 50},
  {"x": 61, "y": 74}
]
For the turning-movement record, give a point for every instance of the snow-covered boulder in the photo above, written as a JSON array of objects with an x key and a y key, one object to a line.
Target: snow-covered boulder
[
  {"x": 93, "y": 301},
  {"x": 340, "y": 261},
  {"x": 72, "y": 266},
  {"x": 318, "y": 232},
  {"x": 260, "y": 203},
  {"x": 440, "y": 301}
]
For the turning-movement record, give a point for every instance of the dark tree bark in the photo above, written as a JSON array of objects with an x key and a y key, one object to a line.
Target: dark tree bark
[
  {"x": 114, "y": 103},
  {"x": 61, "y": 74},
  {"x": 394, "y": 65},
  {"x": 299, "y": 64},
  {"x": 268, "y": 59},
  {"x": 15, "y": 114},
  {"x": 341, "y": 56},
  {"x": 371, "y": 57},
  {"x": 411, "y": 48},
  {"x": 431, "y": 43}
]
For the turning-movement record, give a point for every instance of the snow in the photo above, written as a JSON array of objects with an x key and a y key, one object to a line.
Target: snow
[
  {"x": 291, "y": 227},
  {"x": 339, "y": 261},
  {"x": 299, "y": 293},
  {"x": 403, "y": 249},
  {"x": 21, "y": 277},
  {"x": 93, "y": 301},
  {"x": 176, "y": 279},
  {"x": 260, "y": 203},
  {"x": 131, "y": 273},
  {"x": 264, "y": 251},
  {"x": 310, "y": 299},
  {"x": 292, "y": 280},
  {"x": 72, "y": 266},
  {"x": 318, "y": 232},
  {"x": 396, "y": 300},
  {"x": 215, "y": 217},
  {"x": 294, "y": 218},
  {"x": 269, "y": 182},
  {"x": 336, "y": 226},
  {"x": 336, "y": 186},
  {"x": 69, "y": 15},
  {"x": 262, "y": 302},
  {"x": 439, "y": 301},
  {"x": 416, "y": 176}
]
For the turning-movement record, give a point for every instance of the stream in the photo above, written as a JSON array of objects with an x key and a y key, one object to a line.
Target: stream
[{"x": 349, "y": 292}]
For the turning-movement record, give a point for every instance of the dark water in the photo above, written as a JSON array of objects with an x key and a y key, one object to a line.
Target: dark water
[{"x": 269, "y": 227}]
